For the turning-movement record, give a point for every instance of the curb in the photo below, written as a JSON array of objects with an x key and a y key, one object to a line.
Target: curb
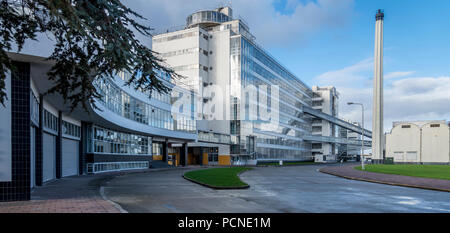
[
  {"x": 385, "y": 182},
  {"x": 117, "y": 206},
  {"x": 113, "y": 175},
  {"x": 219, "y": 187}
]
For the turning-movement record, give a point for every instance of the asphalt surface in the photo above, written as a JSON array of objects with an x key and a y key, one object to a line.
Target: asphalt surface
[{"x": 272, "y": 189}]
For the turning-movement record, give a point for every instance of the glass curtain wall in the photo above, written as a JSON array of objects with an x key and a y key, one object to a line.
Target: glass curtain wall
[{"x": 284, "y": 139}]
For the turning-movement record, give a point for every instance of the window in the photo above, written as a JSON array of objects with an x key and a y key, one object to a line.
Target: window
[
  {"x": 213, "y": 154},
  {"x": 205, "y": 37},
  {"x": 34, "y": 108},
  {"x": 113, "y": 142},
  {"x": 131, "y": 108},
  {"x": 71, "y": 129},
  {"x": 205, "y": 68},
  {"x": 50, "y": 121},
  {"x": 435, "y": 125},
  {"x": 175, "y": 37},
  {"x": 205, "y": 52},
  {"x": 406, "y": 126}
]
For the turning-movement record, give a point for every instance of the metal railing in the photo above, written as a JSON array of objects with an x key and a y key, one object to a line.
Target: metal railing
[
  {"x": 243, "y": 159},
  {"x": 94, "y": 168}
]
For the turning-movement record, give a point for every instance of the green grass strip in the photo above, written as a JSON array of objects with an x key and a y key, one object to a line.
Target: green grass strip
[
  {"x": 218, "y": 177},
  {"x": 424, "y": 171}
]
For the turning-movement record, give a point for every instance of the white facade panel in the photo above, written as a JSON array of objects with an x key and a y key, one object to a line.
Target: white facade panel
[
  {"x": 403, "y": 143},
  {"x": 69, "y": 157},
  {"x": 435, "y": 143},
  {"x": 49, "y": 156}
]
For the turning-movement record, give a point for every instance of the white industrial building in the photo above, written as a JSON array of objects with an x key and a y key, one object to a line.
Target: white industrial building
[
  {"x": 325, "y": 99},
  {"x": 426, "y": 142}
]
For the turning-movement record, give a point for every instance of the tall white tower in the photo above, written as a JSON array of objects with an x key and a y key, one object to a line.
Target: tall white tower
[{"x": 377, "y": 113}]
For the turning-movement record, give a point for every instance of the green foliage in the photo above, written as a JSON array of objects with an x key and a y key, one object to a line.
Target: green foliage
[
  {"x": 94, "y": 39},
  {"x": 218, "y": 177},
  {"x": 425, "y": 171}
]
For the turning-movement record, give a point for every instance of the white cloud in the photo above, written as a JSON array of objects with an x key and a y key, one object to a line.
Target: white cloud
[
  {"x": 398, "y": 74},
  {"x": 406, "y": 98},
  {"x": 346, "y": 76},
  {"x": 268, "y": 25}
]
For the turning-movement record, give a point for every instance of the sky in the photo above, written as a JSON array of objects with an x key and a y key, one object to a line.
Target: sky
[{"x": 331, "y": 43}]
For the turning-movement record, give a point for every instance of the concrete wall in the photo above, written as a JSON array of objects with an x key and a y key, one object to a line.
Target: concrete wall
[
  {"x": 411, "y": 143},
  {"x": 435, "y": 143},
  {"x": 403, "y": 143}
]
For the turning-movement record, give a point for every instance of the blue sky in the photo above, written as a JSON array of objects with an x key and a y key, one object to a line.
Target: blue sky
[
  {"x": 331, "y": 42},
  {"x": 417, "y": 38}
]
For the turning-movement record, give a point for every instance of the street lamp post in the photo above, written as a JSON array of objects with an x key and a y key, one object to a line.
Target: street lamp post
[{"x": 362, "y": 133}]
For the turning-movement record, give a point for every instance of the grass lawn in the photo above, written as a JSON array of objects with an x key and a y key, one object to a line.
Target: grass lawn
[
  {"x": 288, "y": 163},
  {"x": 218, "y": 177},
  {"x": 426, "y": 171}
]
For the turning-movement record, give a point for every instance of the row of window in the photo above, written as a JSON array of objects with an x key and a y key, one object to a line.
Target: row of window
[
  {"x": 175, "y": 37},
  {"x": 279, "y": 141},
  {"x": 50, "y": 121},
  {"x": 131, "y": 108},
  {"x": 207, "y": 16},
  {"x": 113, "y": 142},
  {"x": 71, "y": 129},
  {"x": 273, "y": 65},
  {"x": 276, "y": 154},
  {"x": 217, "y": 138},
  {"x": 160, "y": 96},
  {"x": 186, "y": 51},
  {"x": 250, "y": 66},
  {"x": 192, "y": 67}
]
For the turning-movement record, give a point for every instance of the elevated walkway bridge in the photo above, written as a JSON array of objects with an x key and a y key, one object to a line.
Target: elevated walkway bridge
[
  {"x": 336, "y": 121},
  {"x": 337, "y": 140},
  {"x": 339, "y": 122}
]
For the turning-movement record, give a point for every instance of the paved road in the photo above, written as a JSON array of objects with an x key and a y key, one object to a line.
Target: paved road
[{"x": 273, "y": 189}]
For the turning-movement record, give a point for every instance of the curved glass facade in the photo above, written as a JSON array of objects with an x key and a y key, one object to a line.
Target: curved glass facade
[
  {"x": 207, "y": 17},
  {"x": 120, "y": 102}
]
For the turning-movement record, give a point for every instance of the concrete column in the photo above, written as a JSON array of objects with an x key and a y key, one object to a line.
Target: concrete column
[
  {"x": 39, "y": 144},
  {"x": 201, "y": 155},
  {"x": 84, "y": 146},
  {"x": 377, "y": 111},
  {"x": 183, "y": 154},
  {"x": 165, "y": 150},
  {"x": 58, "y": 158}
]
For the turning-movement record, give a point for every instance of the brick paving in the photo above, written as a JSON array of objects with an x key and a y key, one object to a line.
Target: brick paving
[
  {"x": 77, "y": 194},
  {"x": 349, "y": 172},
  {"x": 69, "y": 205},
  {"x": 68, "y": 195}
]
